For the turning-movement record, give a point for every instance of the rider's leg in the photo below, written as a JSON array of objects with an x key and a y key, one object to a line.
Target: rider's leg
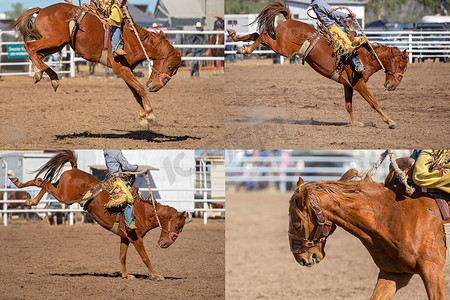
[
  {"x": 116, "y": 47},
  {"x": 129, "y": 223},
  {"x": 346, "y": 47}
]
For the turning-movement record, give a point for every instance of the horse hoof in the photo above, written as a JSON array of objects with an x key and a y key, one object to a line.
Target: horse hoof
[
  {"x": 231, "y": 33},
  {"x": 29, "y": 202},
  {"x": 393, "y": 126},
  {"x": 358, "y": 124},
  {"x": 242, "y": 50},
  {"x": 37, "y": 78},
  {"x": 129, "y": 276},
  {"x": 55, "y": 84},
  {"x": 15, "y": 181},
  {"x": 143, "y": 123},
  {"x": 158, "y": 278}
]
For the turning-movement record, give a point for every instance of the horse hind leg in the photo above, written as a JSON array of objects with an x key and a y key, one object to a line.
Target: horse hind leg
[
  {"x": 238, "y": 38},
  {"x": 35, "y": 182},
  {"x": 124, "y": 243},
  {"x": 39, "y": 49}
]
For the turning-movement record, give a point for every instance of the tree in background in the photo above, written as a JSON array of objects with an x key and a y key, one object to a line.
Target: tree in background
[
  {"x": 245, "y": 6},
  {"x": 16, "y": 12}
]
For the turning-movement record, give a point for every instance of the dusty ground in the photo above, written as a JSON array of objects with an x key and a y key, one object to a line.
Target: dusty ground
[
  {"x": 259, "y": 264},
  {"x": 92, "y": 112},
  {"x": 82, "y": 261},
  {"x": 293, "y": 107}
]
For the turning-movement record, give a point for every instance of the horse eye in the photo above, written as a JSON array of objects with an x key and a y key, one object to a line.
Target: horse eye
[
  {"x": 176, "y": 227},
  {"x": 400, "y": 67},
  {"x": 299, "y": 227},
  {"x": 168, "y": 68}
]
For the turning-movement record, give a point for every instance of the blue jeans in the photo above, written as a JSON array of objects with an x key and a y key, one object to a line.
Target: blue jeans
[
  {"x": 127, "y": 212},
  {"x": 115, "y": 31}
]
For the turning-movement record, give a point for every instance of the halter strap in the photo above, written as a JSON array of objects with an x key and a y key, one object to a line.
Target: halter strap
[{"x": 323, "y": 230}]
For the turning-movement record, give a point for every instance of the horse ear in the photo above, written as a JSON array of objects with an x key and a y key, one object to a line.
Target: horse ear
[
  {"x": 404, "y": 54},
  {"x": 183, "y": 214},
  {"x": 300, "y": 181},
  {"x": 304, "y": 195},
  {"x": 161, "y": 33}
]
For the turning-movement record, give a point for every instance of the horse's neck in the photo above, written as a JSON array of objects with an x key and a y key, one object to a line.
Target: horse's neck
[{"x": 356, "y": 213}]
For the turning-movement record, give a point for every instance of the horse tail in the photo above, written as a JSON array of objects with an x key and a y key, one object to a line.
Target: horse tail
[
  {"x": 266, "y": 18},
  {"x": 55, "y": 165},
  {"x": 25, "y": 26}
]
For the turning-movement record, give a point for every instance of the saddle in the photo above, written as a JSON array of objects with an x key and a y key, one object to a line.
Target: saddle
[
  {"x": 442, "y": 199},
  {"x": 75, "y": 23}
]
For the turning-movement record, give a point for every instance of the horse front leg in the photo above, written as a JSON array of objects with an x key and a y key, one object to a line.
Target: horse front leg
[
  {"x": 361, "y": 87},
  {"x": 139, "y": 245},
  {"x": 349, "y": 105},
  {"x": 146, "y": 115},
  {"x": 124, "y": 243},
  {"x": 432, "y": 277},
  {"x": 388, "y": 284}
]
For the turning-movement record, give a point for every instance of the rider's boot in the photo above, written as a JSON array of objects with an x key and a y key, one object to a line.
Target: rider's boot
[{"x": 357, "y": 63}]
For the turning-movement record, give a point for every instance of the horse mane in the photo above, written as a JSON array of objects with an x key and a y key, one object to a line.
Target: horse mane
[
  {"x": 389, "y": 52},
  {"x": 166, "y": 208},
  {"x": 266, "y": 18},
  {"x": 157, "y": 38},
  {"x": 24, "y": 24},
  {"x": 55, "y": 165}
]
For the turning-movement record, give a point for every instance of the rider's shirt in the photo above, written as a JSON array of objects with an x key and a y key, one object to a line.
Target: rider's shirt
[
  {"x": 323, "y": 10},
  {"x": 116, "y": 162},
  {"x": 431, "y": 174}
]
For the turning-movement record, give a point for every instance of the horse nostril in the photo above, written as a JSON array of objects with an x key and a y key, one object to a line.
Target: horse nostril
[
  {"x": 302, "y": 262},
  {"x": 153, "y": 88}
]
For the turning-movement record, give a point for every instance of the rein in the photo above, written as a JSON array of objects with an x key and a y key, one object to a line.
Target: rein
[
  {"x": 172, "y": 235},
  {"x": 401, "y": 175},
  {"x": 163, "y": 78},
  {"x": 323, "y": 230}
]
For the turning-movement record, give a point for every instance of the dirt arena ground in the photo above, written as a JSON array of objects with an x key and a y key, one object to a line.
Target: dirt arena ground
[
  {"x": 82, "y": 261},
  {"x": 98, "y": 112},
  {"x": 293, "y": 107},
  {"x": 259, "y": 264}
]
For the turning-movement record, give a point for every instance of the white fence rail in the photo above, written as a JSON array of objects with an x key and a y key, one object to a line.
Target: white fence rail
[
  {"x": 71, "y": 58},
  {"x": 420, "y": 45},
  {"x": 4, "y": 211},
  {"x": 284, "y": 170}
]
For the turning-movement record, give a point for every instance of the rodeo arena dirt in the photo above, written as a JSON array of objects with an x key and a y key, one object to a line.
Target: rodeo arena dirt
[
  {"x": 63, "y": 262},
  {"x": 293, "y": 107},
  {"x": 87, "y": 111}
]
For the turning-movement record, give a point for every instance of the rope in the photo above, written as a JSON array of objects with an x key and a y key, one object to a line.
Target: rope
[
  {"x": 145, "y": 171},
  {"x": 400, "y": 174},
  {"x": 125, "y": 8},
  {"x": 357, "y": 24}
]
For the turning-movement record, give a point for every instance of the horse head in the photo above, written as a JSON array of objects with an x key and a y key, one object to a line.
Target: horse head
[
  {"x": 164, "y": 67},
  {"x": 171, "y": 228},
  {"x": 307, "y": 230},
  {"x": 395, "y": 68}
]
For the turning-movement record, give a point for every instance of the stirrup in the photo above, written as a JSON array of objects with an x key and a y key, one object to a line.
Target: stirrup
[
  {"x": 119, "y": 52},
  {"x": 132, "y": 227}
]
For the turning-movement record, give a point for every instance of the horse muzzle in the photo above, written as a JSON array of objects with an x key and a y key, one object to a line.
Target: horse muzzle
[{"x": 308, "y": 261}]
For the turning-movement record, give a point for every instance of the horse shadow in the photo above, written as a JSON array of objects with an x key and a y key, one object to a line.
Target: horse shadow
[
  {"x": 107, "y": 275},
  {"x": 311, "y": 121},
  {"x": 140, "y": 135}
]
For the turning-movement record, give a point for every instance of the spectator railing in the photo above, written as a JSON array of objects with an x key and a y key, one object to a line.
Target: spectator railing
[
  {"x": 5, "y": 211},
  {"x": 419, "y": 44}
]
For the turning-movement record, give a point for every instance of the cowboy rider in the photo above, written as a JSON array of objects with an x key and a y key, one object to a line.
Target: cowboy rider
[
  {"x": 112, "y": 11},
  {"x": 330, "y": 18},
  {"x": 116, "y": 162},
  {"x": 432, "y": 169}
]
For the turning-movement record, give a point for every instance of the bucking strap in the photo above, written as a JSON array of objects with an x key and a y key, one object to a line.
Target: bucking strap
[{"x": 307, "y": 47}]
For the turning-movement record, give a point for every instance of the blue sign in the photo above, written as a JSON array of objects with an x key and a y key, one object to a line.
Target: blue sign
[{"x": 16, "y": 51}]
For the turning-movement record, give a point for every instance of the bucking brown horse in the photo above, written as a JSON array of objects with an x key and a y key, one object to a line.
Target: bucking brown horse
[
  {"x": 288, "y": 37},
  {"x": 403, "y": 234},
  {"x": 49, "y": 33},
  {"x": 74, "y": 184}
]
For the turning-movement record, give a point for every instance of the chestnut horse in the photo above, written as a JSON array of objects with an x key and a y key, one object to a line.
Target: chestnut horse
[
  {"x": 50, "y": 33},
  {"x": 289, "y": 36},
  {"x": 403, "y": 234},
  {"x": 74, "y": 184}
]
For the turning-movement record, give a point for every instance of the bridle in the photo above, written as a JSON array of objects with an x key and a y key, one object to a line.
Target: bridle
[
  {"x": 397, "y": 76},
  {"x": 163, "y": 77},
  {"x": 324, "y": 229}
]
